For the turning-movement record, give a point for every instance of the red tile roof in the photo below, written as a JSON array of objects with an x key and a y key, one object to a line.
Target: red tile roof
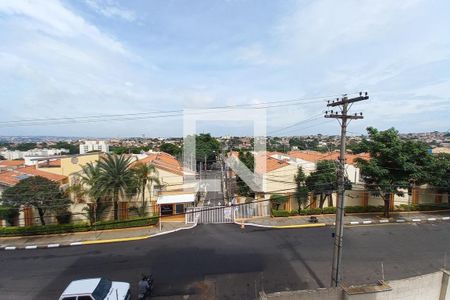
[
  {"x": 269, "y": 163},
  {"x": 163, "y": 161},
  {"x": 314, "y": 156},
  {"x": 11, "y": 178},
  {"x": 11, "y": 163}
]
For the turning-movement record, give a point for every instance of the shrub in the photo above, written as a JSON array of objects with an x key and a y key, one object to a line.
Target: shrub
[
  {"x": 293, "y": 212},
  {"x": 372, "y": 208},
  {"x": 355, "y": 209},
  {"x": 43, "y": 229},
  {"x": 329, "y": 210},
  {"x": 280, "y": 213},
  {"x": 68, "y": 228},
  {"x": 64, "y": 217},
  {"x": 424, "y": 206},
  {"x": 312, "y": 211}
]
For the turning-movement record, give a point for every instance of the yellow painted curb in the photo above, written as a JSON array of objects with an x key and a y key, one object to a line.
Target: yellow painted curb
[
  {"x": 115, "y": 240},
  {"x": 302, "y": 226}
]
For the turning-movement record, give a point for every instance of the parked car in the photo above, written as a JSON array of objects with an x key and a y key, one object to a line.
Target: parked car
[{"x": 96, "y": 289}]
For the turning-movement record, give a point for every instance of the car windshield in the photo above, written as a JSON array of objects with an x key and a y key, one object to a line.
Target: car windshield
[{"x": 102, "y": 289}]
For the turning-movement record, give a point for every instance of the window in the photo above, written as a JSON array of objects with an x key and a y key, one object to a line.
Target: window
[
  {"x": 179, "y": 208},
  {"x": 102, "y": 289},
  {"x": 69, "y": 298},
  {"x": 84, "y": 298}
]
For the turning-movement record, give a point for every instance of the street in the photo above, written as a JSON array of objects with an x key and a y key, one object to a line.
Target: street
[
  {"x": 214, "y": 196},
  {"x": 226, "y": 262}
]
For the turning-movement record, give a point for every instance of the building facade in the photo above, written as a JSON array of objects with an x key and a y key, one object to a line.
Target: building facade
[{"x": 89, "y": 146}]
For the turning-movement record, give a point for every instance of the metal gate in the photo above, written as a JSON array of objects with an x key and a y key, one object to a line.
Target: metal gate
[
  {"x": 210, "y": 214},
  {"x": 226, "y": 214}
]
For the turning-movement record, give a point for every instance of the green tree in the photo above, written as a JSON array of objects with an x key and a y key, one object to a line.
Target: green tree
[
  {"x": 394, "y": 162},
  {"x": 146, "y": 176},
  {"x": 359, "y": 147},
  {"x": 206, "y": 146},
  {"x": 86, "y": 186},
  {"x": 9, "y": 213},
  {"x": 116, "y": 179},
  {"x": 73, "y": 149},
  {"x": 248, "y": 160},
  {"x": 171, "y": 149},
  {"x": 323, "y": 181},
  {"x": 277, "y": 200},
  {"x": 439, "y": 173},
  {"x": 25, "y": 146},
  {"x": 301, "y": 190},
  {"x": 38, "y": 192},
  {"x": 119, "y": 150}
]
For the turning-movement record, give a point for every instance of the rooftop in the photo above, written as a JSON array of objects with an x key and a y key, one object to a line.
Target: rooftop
[
  {"x": 11, "y": 163},
  {"x": 163, "y": 161},
  {"x": 13, "y": 177},
  {"x": 315, "y": 156}
]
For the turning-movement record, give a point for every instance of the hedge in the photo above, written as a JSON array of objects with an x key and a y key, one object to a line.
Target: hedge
[
  {"x": 280, "y": 213},
  {"x": 81, "y": 227},
  {"x": 360, "y": 209}
]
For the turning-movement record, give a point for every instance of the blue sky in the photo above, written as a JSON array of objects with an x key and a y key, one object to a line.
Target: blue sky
[{"x": 94, "y": 57}]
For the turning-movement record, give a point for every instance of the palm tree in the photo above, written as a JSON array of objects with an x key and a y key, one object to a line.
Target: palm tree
[
  {"x": 116, "y": 179},
  {"x": 146, "y": 176},
  {"x": 87, "y": 186}
]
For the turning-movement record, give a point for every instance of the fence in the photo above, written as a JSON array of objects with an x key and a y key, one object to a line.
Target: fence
[
  {"x": 252, "y": 210},
  {"x": 226, "y": 214}
]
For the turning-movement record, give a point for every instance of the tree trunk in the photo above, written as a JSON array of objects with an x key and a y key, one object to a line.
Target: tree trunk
[
  {"x": 330, "y": 199},
  {"x": 387, "y": 200},
  {"x": 322, "y": 200},
  {"x": 143, "y": 200},
  {"x": 116, "y": 206},
  {"x": 41, "y": 215}
]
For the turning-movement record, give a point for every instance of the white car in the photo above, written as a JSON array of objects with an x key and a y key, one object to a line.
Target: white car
[{"x": 96, "y": 289}]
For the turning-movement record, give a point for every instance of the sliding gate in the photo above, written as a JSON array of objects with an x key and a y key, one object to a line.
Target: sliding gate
[{"x": 226, "y": 214}]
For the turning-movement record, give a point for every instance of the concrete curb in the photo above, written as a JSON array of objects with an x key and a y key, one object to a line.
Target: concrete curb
[
  {"x": 352, "y": 223},
  {"x": 283, "y": 226},
  {"x": 94, "y": 242},
  {"x": 396, "y": 221}
]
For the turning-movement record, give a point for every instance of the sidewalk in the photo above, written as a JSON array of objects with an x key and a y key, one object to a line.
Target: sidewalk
[
  {"x": 91, "y": 237},
  {"x": 349, "y": 219}
]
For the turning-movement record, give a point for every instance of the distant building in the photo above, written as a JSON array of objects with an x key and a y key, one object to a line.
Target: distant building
[
  {"x": 438, "y": 150},
  {"x": 89, "y": 146},
  {"x": 34, "y": 153}
]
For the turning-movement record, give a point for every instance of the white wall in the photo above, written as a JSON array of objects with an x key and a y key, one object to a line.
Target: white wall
[{"x": 433, "y": 286}]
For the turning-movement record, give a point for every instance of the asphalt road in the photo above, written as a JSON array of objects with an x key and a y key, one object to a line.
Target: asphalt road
[
  {"x": 226, "y": 262},
  {"x": 214, "y": 196}
]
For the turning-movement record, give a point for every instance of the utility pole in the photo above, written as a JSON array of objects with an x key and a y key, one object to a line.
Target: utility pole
[{"x": 344, "y": 119}]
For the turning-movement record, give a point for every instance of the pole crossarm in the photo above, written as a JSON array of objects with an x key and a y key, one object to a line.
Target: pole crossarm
[
  {"x": 344, "y": 116},
  {"x": 344, "y": 100}
]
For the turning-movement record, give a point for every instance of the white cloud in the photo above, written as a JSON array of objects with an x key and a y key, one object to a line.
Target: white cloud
[
  {"x": 52, "y": 18},
  {"x": 111, "y": 9}
]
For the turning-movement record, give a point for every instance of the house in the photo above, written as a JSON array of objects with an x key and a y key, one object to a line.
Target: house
[
  {"x": 277, "y": 177},
  {"x": 177, "y": 189},
  {"x": 12, "y": 177},
  {"x": 8, "y": 165},
  {"x": 359, "y": 196}
]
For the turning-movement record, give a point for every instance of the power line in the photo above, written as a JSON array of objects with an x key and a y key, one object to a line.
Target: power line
[{"x": 151, "y": 114}]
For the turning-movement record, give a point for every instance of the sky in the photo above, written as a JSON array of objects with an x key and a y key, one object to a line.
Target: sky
[{"x": 71, "y": 59}]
